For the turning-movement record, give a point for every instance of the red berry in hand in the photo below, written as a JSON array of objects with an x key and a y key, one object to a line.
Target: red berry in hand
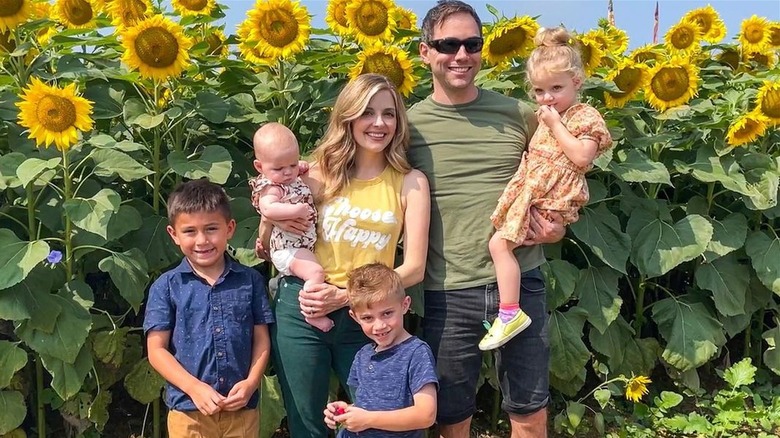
[{"x": 340, "y": 411}]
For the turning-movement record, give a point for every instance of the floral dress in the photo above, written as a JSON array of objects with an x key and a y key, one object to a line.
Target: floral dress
[
  {"x": 546, "y": 178},
  {"x": 294, "y": 193}
]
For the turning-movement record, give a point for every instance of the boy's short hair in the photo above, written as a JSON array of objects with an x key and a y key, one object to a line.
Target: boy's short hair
[
  {"x": 372, "y": 283},
  {"x": 198, "y": 196}
]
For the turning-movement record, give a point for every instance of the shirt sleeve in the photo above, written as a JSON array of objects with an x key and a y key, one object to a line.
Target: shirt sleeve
[
  {"x": 422, "y": 368},
  {"x": 587, "y": 123},
  {"x": 353, "y": 381},
  {"x": 160, "y": 312},
  {"x": 261, "y": 308}
]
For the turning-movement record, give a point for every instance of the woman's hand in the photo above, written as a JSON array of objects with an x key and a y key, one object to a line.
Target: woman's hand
[
  {"x": 320, "y": 299},
  {"x": 294, "y": 226}
]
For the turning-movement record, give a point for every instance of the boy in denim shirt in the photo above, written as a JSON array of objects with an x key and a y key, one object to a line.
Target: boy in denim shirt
[
  {"x": 394, "y": 378},
  {"x": 206, "y": 322}
]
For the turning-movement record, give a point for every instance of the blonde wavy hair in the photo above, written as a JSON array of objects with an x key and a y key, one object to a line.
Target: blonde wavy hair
[
  {"x": 335, "y": 155},
  {"x": 555, "y": 53}
]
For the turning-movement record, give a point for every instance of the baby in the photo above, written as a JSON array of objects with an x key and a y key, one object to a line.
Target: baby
[{"x": 278, "y": 193}]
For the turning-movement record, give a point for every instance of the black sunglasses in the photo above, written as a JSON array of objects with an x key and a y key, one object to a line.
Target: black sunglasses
[{"x": 450, "y": 46}]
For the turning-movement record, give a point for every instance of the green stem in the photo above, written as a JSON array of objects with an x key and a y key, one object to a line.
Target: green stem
[
  {"x": 156, "y": 162},
  {"x": 710, "y": 196},
  {"x": 640, "y": 307},
  {"x": 496, "y": 410},
  {"x": 748, "y": 335},
  {"x": 31, "y": 233},
  {"x": 156, "y": 418},
  {"x": 68, "y": 236},
  {"x": 39, "y": 406},
  {"x": 281, "y": 85}
]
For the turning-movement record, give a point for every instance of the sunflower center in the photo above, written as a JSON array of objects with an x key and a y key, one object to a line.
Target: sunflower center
[
  {"x": 56, "y": 113},
  {"x": 748, "y": 129},
  {"x": 384, "y": 64},
  {"x": 340, "y": 14},
  {"x": 770, "y": 104},
  {"x": 194, "y": 5},
  {"x": 157, "y": 47},
  {"x": 683, "y": 38},
  {"x": 279, "y": 28},
  {"x": 774, "y": 38},
  {"x": 670, "y": 83},
  {"x": 628, "y": 80},
  {"x": 754, "y": 34},
  {"x": 509, "y": 42},
  {"x": 9, "y": 8},
  {"x": 372, "y": 18},
  {"x": 730, "y": 58},
  {"x": 78, "y": 12}
]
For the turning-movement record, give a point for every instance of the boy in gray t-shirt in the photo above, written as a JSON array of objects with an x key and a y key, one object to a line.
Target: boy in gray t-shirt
[{"x": 394, "y": 378}]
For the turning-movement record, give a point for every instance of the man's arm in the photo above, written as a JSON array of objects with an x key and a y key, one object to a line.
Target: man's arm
[
  {"x": 421, "y": 415},
  {"x": 206, "y": 398},
  {"x": 242, "y": 391}
]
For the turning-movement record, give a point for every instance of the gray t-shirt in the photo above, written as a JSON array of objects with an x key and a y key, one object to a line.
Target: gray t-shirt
[
  {"x": 469, "y": 153},
  {"x": 389, "y": 379}
]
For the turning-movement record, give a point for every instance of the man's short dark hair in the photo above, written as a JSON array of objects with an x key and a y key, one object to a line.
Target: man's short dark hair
[
  {"x": 439, "y": 13},
  {"x": 198, "y": 196}
]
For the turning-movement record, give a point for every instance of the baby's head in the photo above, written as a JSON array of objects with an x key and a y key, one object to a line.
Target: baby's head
[
  {"x": 276, "y": 153},
  {"x": 555, "y": 69}
]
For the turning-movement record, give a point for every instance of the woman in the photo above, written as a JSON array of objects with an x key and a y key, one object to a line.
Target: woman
[{"x": 367, "y": 197}]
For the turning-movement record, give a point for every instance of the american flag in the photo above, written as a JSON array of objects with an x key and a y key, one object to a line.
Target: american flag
[
  {"x": 611, "y": 14},
  {"x": 655, "y": 24}
]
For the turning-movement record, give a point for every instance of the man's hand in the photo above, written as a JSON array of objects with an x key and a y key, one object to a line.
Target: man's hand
[
  {"x": 544, "y": 227},
  {"x": 206, "y": 399},
  {"x": 548, "y": 115}
]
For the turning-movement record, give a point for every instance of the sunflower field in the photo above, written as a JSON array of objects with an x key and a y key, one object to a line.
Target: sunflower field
[{"x": 106, "y": 105}]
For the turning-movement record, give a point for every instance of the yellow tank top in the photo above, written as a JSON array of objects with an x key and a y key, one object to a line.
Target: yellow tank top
[{"x": 362, "y": 225}]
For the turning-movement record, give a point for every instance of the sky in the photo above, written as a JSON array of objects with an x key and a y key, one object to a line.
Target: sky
[{"x": 634, "y": 16}]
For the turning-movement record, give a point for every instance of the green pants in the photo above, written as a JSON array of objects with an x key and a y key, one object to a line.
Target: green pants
[{"x": 303, "y": 357}]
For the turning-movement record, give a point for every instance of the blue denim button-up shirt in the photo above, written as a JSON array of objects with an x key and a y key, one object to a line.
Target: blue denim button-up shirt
[{"x": 211, "y": 326}]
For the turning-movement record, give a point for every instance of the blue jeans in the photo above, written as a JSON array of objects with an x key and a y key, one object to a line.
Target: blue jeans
[{"x": 453, "y": 326}]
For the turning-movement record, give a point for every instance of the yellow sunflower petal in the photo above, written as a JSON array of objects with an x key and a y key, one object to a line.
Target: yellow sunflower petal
[
  {"x": 54, "y": 115},
  {"x": 671, "y": 83},
  {"x": 248, "y": 48},
  {"x": 636, "y": 387},
  {"x": 746, "y": 129},
  {"x": 14, "y": 13},
  {"x": 628, "y": 77},
  {"x": 591, "y": 53},
  {"x": 371, "y": 21},
  {"x": 774, "y": 35},
  {"x": 406, "y": 19},
  {"x": 41, "y": 9},
  {"x": 389, "y": 61},
  {"x": 280, "y": 28},
  {"x": 768, "y": 101},
  {"x": 618, "y": 40},
  {"x": 683, "y": 38},
  {"x": 510, "y": 39},
  {"x": 755, "y": 35},
  {"x": 216, "y": 39},
  {"x": 76, "y": 14},
  {"x": 766, "y": 58},
  {"x": 707, "y": 19},
  {"x": 601, "y": 38},
  {"x": 156, "y": 47},
  {"x": 646, "y": 54},
  {"x": 336, "y": 17},
  {"x": 194, "y": 7},
  {"x": 126, "y": 13}
]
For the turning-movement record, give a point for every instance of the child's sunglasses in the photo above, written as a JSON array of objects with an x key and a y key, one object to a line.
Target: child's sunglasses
[{"x": 450, "y": 46}]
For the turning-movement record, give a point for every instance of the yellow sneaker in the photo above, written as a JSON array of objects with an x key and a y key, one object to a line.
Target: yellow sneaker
[{"x": 500, "y": 333}]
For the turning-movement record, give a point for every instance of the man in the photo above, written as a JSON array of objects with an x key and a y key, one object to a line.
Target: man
[{"x": 469, "y": 143}]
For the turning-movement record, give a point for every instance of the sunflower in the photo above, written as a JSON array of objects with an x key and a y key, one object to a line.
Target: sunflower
[
  {"x": 280, "y": 28},
  {"x": 41, "y": 9},
  {"x": 619, "y": 40},
  {"x": 14, "y": 13},
  {"x": 763, "y": 59},
  {"x": 746, "y": 129},
  {"x": 156, "y": 47},
  {"x": 248, "y": 49},
  {"x": 405, "y": 18},
  {"x": 628, "y": 77},
  {"x": 645, "y": 54},
  {"x": 774, "y": 35},
  {"x": 45, "y": 33},
  {"x": 636, "y": 387},
  {"x": 336, "y": 17},
  {"x": 755, "y": 35},
  {"x": 75, "y": 14},
  {"x": 194, "y": 7},
  {"x": 54, "y": 115},
  {"x": 601, "y": 38},
  {"x": 730, "y": 57},
  {"x": 370, "y": 21},
  {"x": 590, "y": 52},
  {"x": 126, "y": 13},
  {"x": 683, "y": 38},
  {"x": 389, "y": 61},
  {"x": 707, "y": 19},
  {"x": 768, "y": 101},
  {"x": 216, "y": 41},
  {"x": 509, "y": 39},
  {"x": 671, "y": 83}
]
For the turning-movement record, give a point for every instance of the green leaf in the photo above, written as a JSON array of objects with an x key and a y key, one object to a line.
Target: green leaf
[
  {"x": 143, "y": 383},
  {"x": 560, "y": 277},
  {"x": 668, "y": 400},
  {"x": 12, "y": 410},
  {"x": 772, "y": 354},
  {"x": 109, "y": 162},
  {"x": 569, "y": 387},
  {"x": 109, "y": 346},
  {"x": 602, "y": 396},
  {"x": 659, "y": 246},
  {"x": 8, "y": 165},
  {"x": 154, "y": 242},
  {"x": 568, "y": 354},
  {"x": 692, "y": 335},
  {"x": 635, "y": 166},
  {"x": 80, "y": 292},
  {"x": 625, "y": 354},
  {"x": 728, "y": 280},
  {"x": 18, "y": 258},
  {"x": 8, "y": 109},
  {"x": 597, "y": 289},
  {"x": 30, "y": 300},
  {"x": 93, "y": 214},
  {"x": 129, "y": 273},
  {"x": 764, "y": 252},
  {"x": 32, "y": 168},
  {"x": 271, "y": 406},
  {"x": 98, "y": 410},
  {"x": 600, "y": 229},
  {"x": 107, "y": 98},
  {"x": 574, "y": 412},
  {"x": 70, "y": 330},
  {"x": 214, "y": 163},
  {"x": 727, "y": 235},
  {"x": 12, "y": 359},
  {"x": 148, "y": 121},
  {"x": 212, "y": 107},
  {"x": 742, "y": 373},
  {"x": 68, "y": 377}
]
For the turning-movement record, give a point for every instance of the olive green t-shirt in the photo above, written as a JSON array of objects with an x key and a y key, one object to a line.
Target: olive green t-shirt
[{"x": 469, "y": 153}]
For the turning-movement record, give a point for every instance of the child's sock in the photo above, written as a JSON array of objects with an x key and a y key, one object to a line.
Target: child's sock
[{"x": 507, "y": 311}]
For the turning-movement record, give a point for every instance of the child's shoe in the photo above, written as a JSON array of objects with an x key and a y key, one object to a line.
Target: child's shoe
[{"x": 500, "y": 333}]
